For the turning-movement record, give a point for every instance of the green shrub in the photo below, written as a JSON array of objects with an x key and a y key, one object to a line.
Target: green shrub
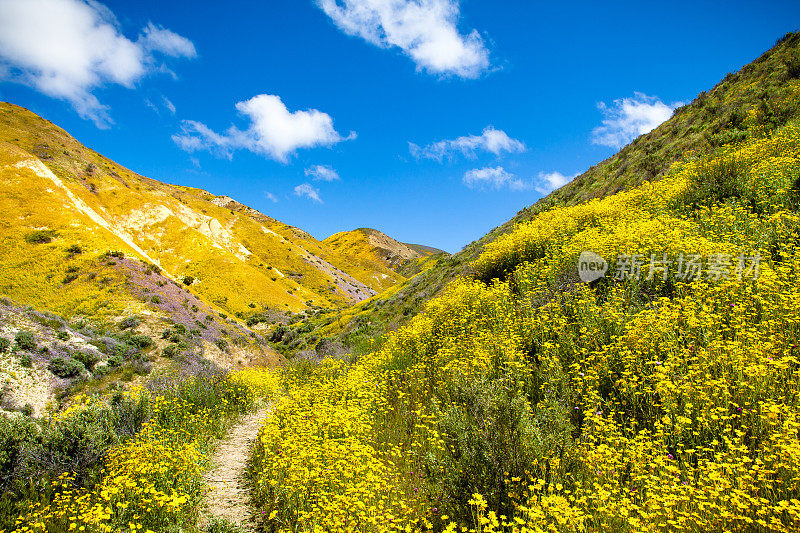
[
  {"x": 129, "y": 322},
  {"x": 150, "y": 269},
  {"x": 62, "y": 335},
  {"x": 26, "y": 360},
  {"x": 88, "y": 359},
  {"x": 15, "y": 435},
  {"x": 114, "y": 361},
  {"x": 74, "y": 249},
  {"x": 42, "y": 236},
  {"x": 25, "y": 340},
  {"x": 170, "y": 351},
  {"x": 188, "y": 280},
  {"x": 155, "y": 299},
  {"x": 77, "y": 444},
  {"x": 65, "y": 368},
  {"x": 140, "y": 341},
  {"x": 4, "y": 344},
  {"x": 722, "y": 179},
  {"x": 69, "y": 278}
]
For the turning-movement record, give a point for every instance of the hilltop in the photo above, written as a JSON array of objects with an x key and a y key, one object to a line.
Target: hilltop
[{"x": 370, "y": 245}]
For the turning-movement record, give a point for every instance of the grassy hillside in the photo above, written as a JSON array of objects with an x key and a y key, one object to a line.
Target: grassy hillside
[
  {"x": 715, "y": 119},
  {"x": 522, "y": 399}
]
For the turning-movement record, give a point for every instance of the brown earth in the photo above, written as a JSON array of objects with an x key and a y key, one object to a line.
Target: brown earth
[{"x": 229, "y": 493}]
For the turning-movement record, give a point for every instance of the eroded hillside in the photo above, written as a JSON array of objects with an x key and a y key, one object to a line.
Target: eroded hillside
[{"x": 63, "y": 205}]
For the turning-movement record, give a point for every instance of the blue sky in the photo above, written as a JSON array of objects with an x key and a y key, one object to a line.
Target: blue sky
[{"x": 433, "y": 123}]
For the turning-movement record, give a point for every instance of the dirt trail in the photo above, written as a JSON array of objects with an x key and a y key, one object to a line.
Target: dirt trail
[{"x": 229, "y": 496}]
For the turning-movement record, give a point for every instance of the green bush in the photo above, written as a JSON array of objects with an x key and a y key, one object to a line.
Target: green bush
[
  {"x": 26, "y": 360},
  {"x": 87, "y": 359},
  {"x": 129, "y": 322},
  {"x": 25, "y": 340},
  {"x": 715, "y": 182},
  {"x": 74, "y": 249},
  {"x": 140, "y": 341},
  {"x": 65, "y": 368},
  {"x": 4, "y": 344},
  {"x": 42, "y": 236},
  {"x": 188, "y": 280},
  {"x": 15, "y": 435},
  {"x": 77, "y": 444}
]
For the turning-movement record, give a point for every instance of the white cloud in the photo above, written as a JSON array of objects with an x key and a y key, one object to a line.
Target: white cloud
[
  {"x": 274, "y": 131},
  {"x": 322, "y": 173},
  {"x": 305, "y": 189},
  {"x": 425, "y": 30},
  {"x": 491, "y": 140},
  {"x": 627, "y": 118},
  {"x": 169, "y": 105},
  {"x": 494, "y": 178},
  {"x": 165, "y": 103},
  {"x": 550, "y": 181},
  {"x": 271, "y": 197},
  {"x": 67, "y": 48},
  {"x": 159, "y": 39}
]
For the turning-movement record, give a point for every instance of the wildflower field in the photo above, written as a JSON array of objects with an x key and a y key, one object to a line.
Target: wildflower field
[
  {"x": 157, "y": 443},
  {"x": 524, "y": 400}
]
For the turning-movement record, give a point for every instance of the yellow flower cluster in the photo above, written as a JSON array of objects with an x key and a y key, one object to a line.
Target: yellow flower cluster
[{"x": 316, "y": 466}]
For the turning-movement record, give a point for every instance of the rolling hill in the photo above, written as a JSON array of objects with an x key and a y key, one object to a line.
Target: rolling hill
[{"x": 370, "y": 246}]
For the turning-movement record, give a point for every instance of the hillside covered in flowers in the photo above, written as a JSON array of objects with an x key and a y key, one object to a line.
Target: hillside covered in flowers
[
  {"x": 623, "y": 358},
  {"x": 658, "y": 399}
]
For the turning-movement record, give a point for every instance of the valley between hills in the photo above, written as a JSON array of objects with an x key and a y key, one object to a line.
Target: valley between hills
[{"x": 159, "y": 341}]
